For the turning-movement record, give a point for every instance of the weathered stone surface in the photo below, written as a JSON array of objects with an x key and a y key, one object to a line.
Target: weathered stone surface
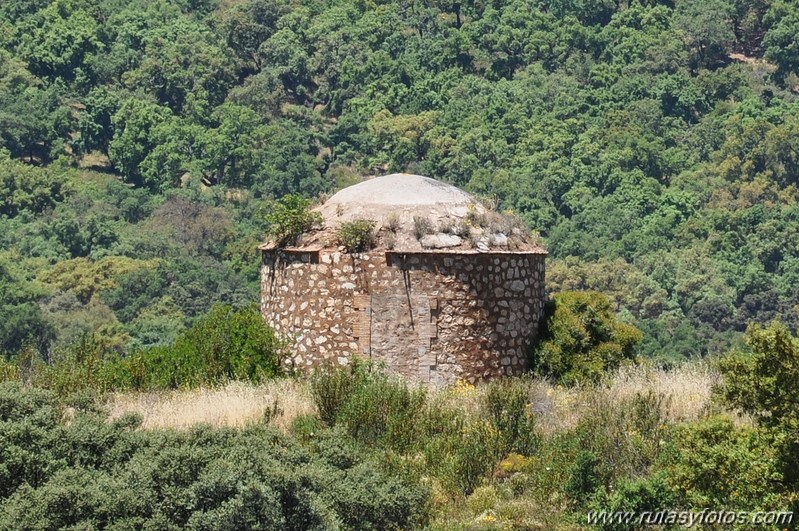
[
  {"x": 440, "y": 241},
  {"x": 517, "y": 285},
  {"x": 499, "y": 240},
  {"x": 432, "y": 317}
]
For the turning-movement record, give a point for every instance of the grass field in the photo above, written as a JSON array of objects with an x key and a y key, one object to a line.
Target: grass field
[{"x": 686, "y": 389}]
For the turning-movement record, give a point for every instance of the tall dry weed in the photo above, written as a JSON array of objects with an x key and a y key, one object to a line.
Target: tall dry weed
[{"x": 235, "y": 404}]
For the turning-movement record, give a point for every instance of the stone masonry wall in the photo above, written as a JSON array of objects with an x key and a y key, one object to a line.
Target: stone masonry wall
[{"x": 432, "y": 317}]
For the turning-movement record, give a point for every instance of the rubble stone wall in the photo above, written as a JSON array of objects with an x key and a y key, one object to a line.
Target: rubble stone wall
[{"x": 431, "y": 317}]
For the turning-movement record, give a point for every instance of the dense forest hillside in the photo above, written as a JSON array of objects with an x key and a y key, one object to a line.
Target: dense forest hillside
[{"x": 654, "y": 145}]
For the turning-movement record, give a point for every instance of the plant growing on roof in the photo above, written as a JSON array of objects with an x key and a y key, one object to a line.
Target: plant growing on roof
[
  {"x": 357, "y": 236},
  {"x": 289, "y": 217},
  {"x": 422, "y": 226},
  {"x": 393, "y": 222},
  {"x": 475, "y": 217}
]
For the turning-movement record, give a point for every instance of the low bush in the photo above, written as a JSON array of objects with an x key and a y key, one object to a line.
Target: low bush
[
  {"x": 464, "y": 456},
  {"x": 357, "y": 236},
  {"x": 462, "y": 451},
  {"x": 85, "y": 364},
  {"x": 623, "y": 434},
  {"x": 90, "y": 473},
  {"x": 289, "y": 217},
  {"x": 507, "y": 407},
  {"x": 582, "y": 339},
  {"x": 225, "y": 344},
  {"x": 422, "y": 226},
  {"x": 9, "y": 371},
  {"x": 651, "y": 494},
  {"x": 764, "y": 382},
  {"x": 713, "y": 463},
  {"x": 333, "y": 387},
  {"x": 370, "y": 405}
]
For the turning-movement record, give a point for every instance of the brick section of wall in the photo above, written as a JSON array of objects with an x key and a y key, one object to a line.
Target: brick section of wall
[{"x": 431, "y": 317}]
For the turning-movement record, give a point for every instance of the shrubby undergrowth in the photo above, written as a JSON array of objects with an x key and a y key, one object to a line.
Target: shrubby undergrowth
[
  {"x": 459, "y": 450},
  {"x": 379, "y": 453},
  {"x": 93, "y": 473},
  {"x": 225, "y": 344},
  {"x": 491, "y": 466},
  {"x": 582, "y": 338}
]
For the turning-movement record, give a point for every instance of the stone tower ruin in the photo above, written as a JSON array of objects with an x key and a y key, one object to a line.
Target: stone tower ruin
[{"x": 448, "y": 289}]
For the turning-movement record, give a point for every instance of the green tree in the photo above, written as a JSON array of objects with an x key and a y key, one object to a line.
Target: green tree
[
  {"x": 231, "y": 152},
  {"x": 289, "y": 163},
  {"x": 134, "y": 136},
  {"x": 582, "y": 338},
  {"x": 781, "y": 41},
  {"x": 247, "y": 25},
  {"x": 763, "y": 383},
  {"x": 707, "y": 28},
  {"x": 185, "y": 67},
  {"x": 25, "y": 188},
  {"x": 57, "y": 41},
  {"x": 32, "y": 119},
  {"x": 22, "y": 323},
  {"x": 95, "y": 123}
]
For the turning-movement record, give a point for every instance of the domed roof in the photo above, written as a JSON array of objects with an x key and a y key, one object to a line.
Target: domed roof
[
  {"x": 399, "y": 195},
  {"x": 401, "y": 189},
  {"x": 413, "y": 213}
]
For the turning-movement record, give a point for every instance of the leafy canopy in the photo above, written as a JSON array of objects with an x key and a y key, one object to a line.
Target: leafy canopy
[{"x": 582, "y": 338}]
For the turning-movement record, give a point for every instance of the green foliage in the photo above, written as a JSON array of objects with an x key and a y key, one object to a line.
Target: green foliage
[
  {"x": 83, "y": 365},
  {"x": 289, "y": 217},
  {"x": 657, "y": 162},
  {"x": 332, "y": 388},
  {"x": 465, "y": 457},
  {"x": 716, "y": 464},
  {"x": 632, "y": 134},
  {"x": 26, "y": 189},
  {"x": 356, "y": 236},
  {"x": 226, "y": 344},
  {"x": 507, "y": 406},
  {"x": 763, "y": 383},
  {"x": 582, "y": 339},
  {"x": 371, "y": 406},
  {"x": 780, "y": 40},
  {"x": 619, "y": 440},
  {"x": 58, "y": 41},
  {"x": 23, "y": 325},
  {"x": 707, "y": 28},
  {"x": 584, "y": 479},
  {"x": 380, "y": 410},
  {"x": 134, "y": 140},
  {"x": 639, "y": 496},
  {"x": 93, "y": 472}
]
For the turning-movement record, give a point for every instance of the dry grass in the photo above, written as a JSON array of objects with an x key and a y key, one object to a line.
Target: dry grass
[
  {"x": 94, "y": 160},
  {"x": 235, "y": 404},
  {"x": 687, "y": 389}
]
